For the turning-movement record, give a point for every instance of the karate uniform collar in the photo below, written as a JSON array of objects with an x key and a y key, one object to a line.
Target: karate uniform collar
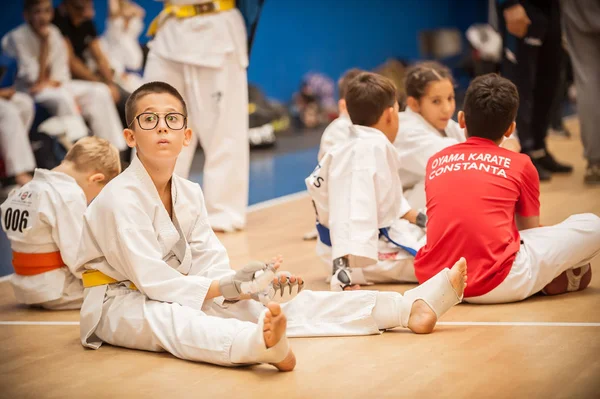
[
  {"x": 164, "y": 224},
  {"x": 418, "y": 116},
  {"x": 139, "y": 171},
  {"x": 366, "y": 132},
  {"x": 50, "y": 175}
]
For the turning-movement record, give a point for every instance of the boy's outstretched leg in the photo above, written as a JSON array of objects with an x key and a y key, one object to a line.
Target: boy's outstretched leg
[{"x": 420, "y": 308}]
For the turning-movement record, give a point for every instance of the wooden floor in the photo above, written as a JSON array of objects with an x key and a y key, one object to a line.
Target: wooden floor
[{"x": 498, "y": 351}]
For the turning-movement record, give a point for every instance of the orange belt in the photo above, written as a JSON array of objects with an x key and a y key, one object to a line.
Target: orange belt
[{"x": 32, "y": 264}]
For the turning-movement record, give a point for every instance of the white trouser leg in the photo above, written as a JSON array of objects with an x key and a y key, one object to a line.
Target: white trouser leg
[
  {"x": 131, "y": 320},
  {"x": 98, "y": 108},
  {"x": 315, "y": 313},
  {"x": 26, "y": 107},
  {"x": 58, "y": 101},
  {"x": 546, "y": 252},
  {"x": 14, "y": 137},
  {"x": 218, "y": 99}
]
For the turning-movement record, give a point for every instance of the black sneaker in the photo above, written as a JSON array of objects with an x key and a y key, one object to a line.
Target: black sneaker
[
  {"x": 542, "y": 173},
  {"x": 592, "y": 174},
  {"x": 552, "y": 165}
]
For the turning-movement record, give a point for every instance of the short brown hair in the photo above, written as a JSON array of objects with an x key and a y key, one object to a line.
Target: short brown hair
[
  {"x": 29, "y": 4},
  {"x": 150, "y": 88},
  {"x": 93, "y": 154},
  {"x": 368, "y": 96},
  {"x": 420, "y": 75},
  {"x": 491, "y": 105},
  {"x": 345, "y": 80}
]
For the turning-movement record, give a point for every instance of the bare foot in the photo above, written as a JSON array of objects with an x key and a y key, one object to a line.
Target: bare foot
[
  {"x": 422, "y": 318},
  {"x": 458, "y": 276},
  {"x": 354, "y": 287},
  {"x": 275, "y": 324}
]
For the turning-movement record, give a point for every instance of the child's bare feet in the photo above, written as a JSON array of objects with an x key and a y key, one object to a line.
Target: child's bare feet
[
  {"x": 275, "y": 324},
  {"x": 422, "y": 318}
]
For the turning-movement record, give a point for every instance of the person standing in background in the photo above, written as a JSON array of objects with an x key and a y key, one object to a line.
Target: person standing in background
[
  {"x": 532, "y": 51},
  {"x": 200, "y": 48},
  {"x": 582, "y": 28}
]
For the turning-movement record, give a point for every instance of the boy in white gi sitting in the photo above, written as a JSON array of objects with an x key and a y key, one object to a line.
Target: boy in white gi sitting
[{"x": 366, "y": 227}]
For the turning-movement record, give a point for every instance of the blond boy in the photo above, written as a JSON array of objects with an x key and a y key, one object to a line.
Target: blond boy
[{"x": 43, "y": 221}]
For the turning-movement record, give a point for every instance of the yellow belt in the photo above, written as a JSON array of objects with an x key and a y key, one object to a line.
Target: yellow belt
[
  {"x": 188, "y": 11},
  {"x": 94, "y": 278}
]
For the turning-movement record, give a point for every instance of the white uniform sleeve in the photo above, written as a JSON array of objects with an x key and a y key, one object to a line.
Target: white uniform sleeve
[
  {"x": 404, "y": 206},
  {"x": 66, "y": 230},
  {"x": 28, "y": 70},
  {"x": 59, "y": 63},
  {"x": 130, "y": 245},
  {"x": 388, "y": 186},
  {"x": 353, "y": 218},
  {"x": 209, "y": 257}
]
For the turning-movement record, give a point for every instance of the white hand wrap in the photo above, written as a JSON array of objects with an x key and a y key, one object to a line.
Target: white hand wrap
[{"x": 251, "y": 279}]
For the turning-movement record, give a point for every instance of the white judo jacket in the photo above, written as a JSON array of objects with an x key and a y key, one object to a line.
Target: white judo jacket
[
  {"x": 337, "y": 132},
  {"x": 44, "y": 216},
  {"x": 356, "y": 190},
  {"x": 417, "y": 141},
  {"x": 129, "y": 236}
]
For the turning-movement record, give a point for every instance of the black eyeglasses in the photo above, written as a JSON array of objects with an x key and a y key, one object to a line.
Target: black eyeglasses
[{"x": 149, "y": 120}]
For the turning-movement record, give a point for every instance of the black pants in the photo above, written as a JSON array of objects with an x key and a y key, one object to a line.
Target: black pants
[{"x": 535, "y": 69}]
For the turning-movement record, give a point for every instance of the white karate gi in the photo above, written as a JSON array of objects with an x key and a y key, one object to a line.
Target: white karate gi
[
  {"x": 416, "y": 142},
  {"x": 337, "y": 132},
  {"x": 205, "y": 59},
  {"x": 128, "y": 235},
  {"x": 50, "y": 211},
  {"x": 357, "y": 190},
  {"x": 93, "y": 98},
  {"x": 16, "y": 117}
]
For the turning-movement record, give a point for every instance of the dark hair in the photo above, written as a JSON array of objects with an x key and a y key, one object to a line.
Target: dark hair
[
  {"x": 420, "y": 75},
  {"x": 345, "y": 80},
  {"x": 491, "y": 105},
  {"x": 368, "y": 96},
  {"x": 29, "y": 4},
  {"x": 144, "y": 90}
]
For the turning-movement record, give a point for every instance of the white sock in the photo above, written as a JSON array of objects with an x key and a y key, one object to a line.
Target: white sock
[{"x": 386, "y": 311}]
